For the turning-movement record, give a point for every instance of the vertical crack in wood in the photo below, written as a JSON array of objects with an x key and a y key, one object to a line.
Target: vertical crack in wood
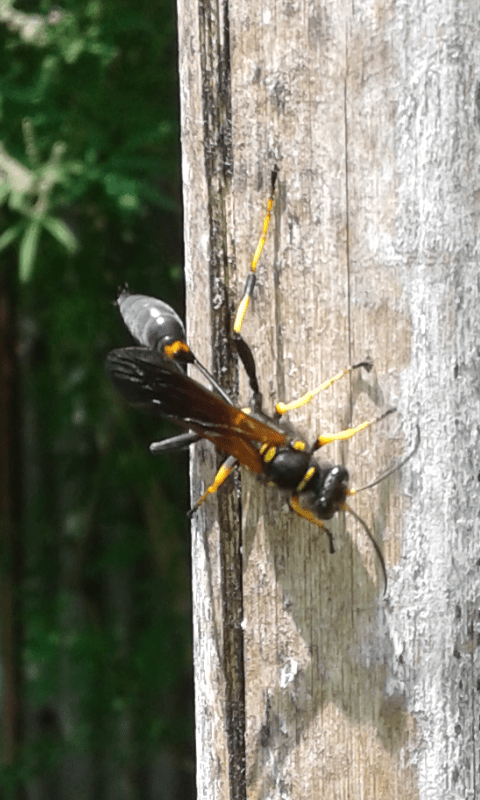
[
  {"x": 347, "y": 209},
  {"x": 277, "y": 303},
  {"x": 218, "y": 162},
  {"x": 348, "y": 272}
]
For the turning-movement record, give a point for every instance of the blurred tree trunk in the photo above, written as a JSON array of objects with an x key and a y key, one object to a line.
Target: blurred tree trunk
[
  {"x": 308, "y": 682},
  {"x": 11, "y": 572}
]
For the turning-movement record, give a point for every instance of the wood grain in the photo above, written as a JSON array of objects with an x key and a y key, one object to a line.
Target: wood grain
[{"x": 371, "y": 111}]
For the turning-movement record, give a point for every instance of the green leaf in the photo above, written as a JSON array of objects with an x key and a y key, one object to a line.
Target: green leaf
[
  {"x": 129, "y": 202},
  {"x": 28, "y": 250},
  {"x": 4, "y": 192},
  {"x": 117, "y": 185},
  {"x": 10, "y": 235},
  {"x": 61, "y": 232}
]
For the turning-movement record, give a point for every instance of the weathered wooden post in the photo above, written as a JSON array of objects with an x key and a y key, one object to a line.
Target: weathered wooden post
[{"x": 309, "y": 683}]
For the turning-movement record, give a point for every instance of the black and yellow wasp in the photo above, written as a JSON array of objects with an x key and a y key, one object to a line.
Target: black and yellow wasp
[{"x": 152, "y": 377}]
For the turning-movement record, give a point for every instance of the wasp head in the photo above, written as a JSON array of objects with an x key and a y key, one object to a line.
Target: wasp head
[{"x": 327, "y": 491}]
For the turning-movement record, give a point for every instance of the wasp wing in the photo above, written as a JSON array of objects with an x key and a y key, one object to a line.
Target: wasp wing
[{"x": 154, "y": 385}]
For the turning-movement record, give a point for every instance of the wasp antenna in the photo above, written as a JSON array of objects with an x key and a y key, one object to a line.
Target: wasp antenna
[
  {"x": 393, "y": 469},
  {"x": 374, "y": 543}
]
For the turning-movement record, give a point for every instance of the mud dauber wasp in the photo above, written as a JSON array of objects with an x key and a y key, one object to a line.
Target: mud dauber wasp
[{"x": 152, "y": 377}]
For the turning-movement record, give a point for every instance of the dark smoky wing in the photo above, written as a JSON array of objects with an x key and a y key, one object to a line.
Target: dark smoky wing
[
  {"x": 148, "y": 381},
  {"x": 153, "y": 385},
  {"x": 160, "y": 387}
]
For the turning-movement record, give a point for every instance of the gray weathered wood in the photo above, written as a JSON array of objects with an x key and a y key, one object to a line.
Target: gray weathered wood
[{"x": 372, "y": 112}]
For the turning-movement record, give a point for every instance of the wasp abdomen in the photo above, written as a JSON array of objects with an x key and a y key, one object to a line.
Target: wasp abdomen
[{"x": 153, "y": 323}]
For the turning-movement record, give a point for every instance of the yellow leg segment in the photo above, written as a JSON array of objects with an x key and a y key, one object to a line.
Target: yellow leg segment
[
  {"x": 220, "y": 478},
  {"x": 306, "y": 514},
  {"x": 283, "y": 408},
  {"x": 327, "y": 438},
  {"x": 250, "y": 283},
  {"x": 242, "y": 310}
]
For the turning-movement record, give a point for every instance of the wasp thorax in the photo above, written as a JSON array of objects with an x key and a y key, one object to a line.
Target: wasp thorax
[{"x": 286, "y": 466}]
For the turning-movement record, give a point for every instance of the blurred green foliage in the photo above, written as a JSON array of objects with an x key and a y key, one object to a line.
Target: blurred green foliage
[{"x": 91, "y": 202}]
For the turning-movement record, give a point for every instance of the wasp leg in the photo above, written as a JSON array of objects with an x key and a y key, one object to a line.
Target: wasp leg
[
  {"x": 179, "y": 353},
  {"x": 219, "y": 479},
  {"x": 305, "y": 514},
  {"x": 243, "y": 349},
  {"x": 180, "y": 442},
  {"x": 248, "y": 361},
  {"x": 252, "y": 277},
  {"x": 283, "y": 408},
  {"x": 327, "y": 438},
  {"x": 213, "y": 383}
]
